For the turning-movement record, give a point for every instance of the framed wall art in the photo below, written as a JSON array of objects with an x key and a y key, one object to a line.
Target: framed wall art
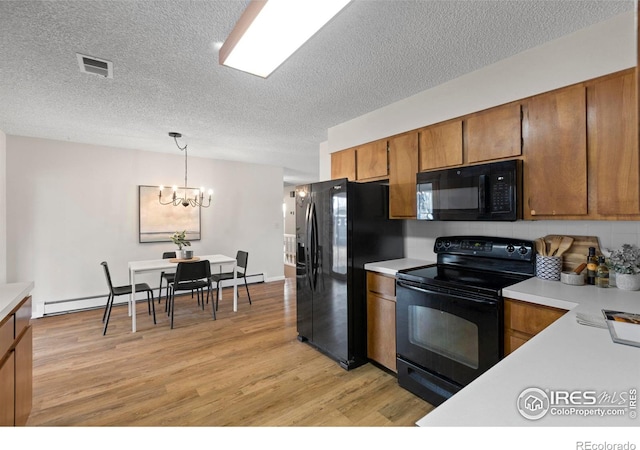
[{"x": 157, "y": 222}]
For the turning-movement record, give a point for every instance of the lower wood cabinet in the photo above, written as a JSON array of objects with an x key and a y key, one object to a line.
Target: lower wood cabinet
[
  {"x": 381, "y": 319},
  {"x": 7, "y": 390},
  {"x": 16, "y": 366},
  {"x": 523, "y": 320}
]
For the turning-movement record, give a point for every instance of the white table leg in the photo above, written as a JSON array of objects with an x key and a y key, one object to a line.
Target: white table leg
[
  {"x": 130, "y": 296},
  {"x": 132, "y": 303},
  {"x": 235, "y": 288}
]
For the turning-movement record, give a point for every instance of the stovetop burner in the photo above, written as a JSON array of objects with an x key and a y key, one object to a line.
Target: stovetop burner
[
  {"x": 478, "y": 263},
  {"x": 443, "y": 275}
]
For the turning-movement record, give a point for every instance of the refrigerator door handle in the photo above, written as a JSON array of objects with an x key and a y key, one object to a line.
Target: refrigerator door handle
[
  {"x": 314, "y": 249},
  {"x": 307, "y": 243}
]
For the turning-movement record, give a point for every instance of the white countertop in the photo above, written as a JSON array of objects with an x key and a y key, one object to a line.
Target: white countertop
[
  {"x": 11, "y": 294},
  {"x": 390, "y": 267},
  {"x": 566, "y": 356}
]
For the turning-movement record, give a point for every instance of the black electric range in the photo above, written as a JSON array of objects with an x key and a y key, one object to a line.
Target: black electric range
[{"x": 449, "y": 316}]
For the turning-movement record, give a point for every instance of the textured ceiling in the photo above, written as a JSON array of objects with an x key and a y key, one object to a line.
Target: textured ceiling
[{"x": 167, "y": 78}]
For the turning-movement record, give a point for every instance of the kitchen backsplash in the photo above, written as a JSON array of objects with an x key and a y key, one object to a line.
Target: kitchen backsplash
[{"x": 420, "y": 235}]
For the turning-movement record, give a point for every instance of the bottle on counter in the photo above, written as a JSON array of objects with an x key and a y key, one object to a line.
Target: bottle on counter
[
  {"x": 592, "y": 266},
  {"x": 602, "y": 274}
]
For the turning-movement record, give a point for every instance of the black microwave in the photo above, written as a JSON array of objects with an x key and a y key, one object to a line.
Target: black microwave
[{"x": 482, "y": 192}]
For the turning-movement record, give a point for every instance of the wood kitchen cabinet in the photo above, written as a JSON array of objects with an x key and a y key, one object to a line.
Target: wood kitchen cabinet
[
  {"x": 614, "y": 169},
  {"x": 494, "y": 133},
  {"x": 381, "y": 319},
  {"x": 343, "y": 164},
  {"x": 365, "y": 162},
  {"x": 403, "y": 167},
  {"x": 523, "y": 320},
  {"x": 441, "y": 145},
  {"x": 16, "y": 365},
  {"x": 372, "y": 161},
  {"x": 555, "y": 153}
]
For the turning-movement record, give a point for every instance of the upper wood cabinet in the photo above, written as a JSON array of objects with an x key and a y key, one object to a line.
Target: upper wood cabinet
[
  {"x": 555, "y": 153},
  {"x": 403, "y": 167},
  {"x": 613, "y": 145},
  {"x": 441, "y": 145},
  {"x": 343, "y": 164},
  {"x": 372, "y": 161},
  {"x": 494, "y": 134}
]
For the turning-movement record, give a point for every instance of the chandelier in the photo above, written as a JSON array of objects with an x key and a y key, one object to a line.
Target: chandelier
[{"x": 197, "y": 196}]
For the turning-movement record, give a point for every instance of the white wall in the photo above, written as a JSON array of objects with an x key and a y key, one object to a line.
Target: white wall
[
  {"x": 420, "y": 235},
  {"x": 3, "y": 208},
  {"x": 71, "y": 206},
  {"x": 595, "y": 51},
  {"x": 290, "y": 209},
  {"x": 325, "y": 161}
]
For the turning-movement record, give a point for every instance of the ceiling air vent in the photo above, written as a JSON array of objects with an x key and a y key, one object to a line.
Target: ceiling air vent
[{"x": 95, "y": 66}]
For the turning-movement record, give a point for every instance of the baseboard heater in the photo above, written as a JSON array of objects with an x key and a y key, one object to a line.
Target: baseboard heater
[{"x": 55, "y": 307}]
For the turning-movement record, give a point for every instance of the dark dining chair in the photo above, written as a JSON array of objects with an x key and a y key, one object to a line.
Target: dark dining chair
[
  {"x": 241, "y": 258},
  {"x": 191, "y": 276},
  {"x": 168, "y": 276},
  {"x": 115, "y": 291}
]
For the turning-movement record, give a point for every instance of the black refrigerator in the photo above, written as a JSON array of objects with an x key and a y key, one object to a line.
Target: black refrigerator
[{"x": 340, "y": 226}]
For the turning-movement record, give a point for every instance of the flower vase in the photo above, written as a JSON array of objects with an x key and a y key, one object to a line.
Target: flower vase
[
  {"x": 180, "y": 254},
  {"x": 628, "y": 281}
]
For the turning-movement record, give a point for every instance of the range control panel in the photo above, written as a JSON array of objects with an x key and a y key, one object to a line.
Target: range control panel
[{"x": 491, "y": 247}]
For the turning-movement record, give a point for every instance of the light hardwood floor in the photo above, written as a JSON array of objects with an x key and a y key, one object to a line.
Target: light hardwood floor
[{"x": 244, "y": 369}]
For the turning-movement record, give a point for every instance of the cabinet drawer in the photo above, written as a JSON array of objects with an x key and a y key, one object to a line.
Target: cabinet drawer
[
  {"x": 23, "y": 356},
  {"x": 23, "y": 316},
  {"x": 529, "y": 318},
  {"x": 6, "y": 335},
  {"x": 7, "y": 391},
  {"x": 381, "y": 284}
]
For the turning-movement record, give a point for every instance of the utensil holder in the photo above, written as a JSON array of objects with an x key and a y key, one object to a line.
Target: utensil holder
[{"x": 548, "y": 267}]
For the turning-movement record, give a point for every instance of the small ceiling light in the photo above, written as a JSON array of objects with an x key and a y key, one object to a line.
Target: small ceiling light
[
  {"x": 269, "y": 31},
  {"x": 198, "y": 194}
]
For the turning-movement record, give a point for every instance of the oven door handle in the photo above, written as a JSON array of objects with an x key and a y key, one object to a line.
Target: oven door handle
[{"x": 468, "y": 296}]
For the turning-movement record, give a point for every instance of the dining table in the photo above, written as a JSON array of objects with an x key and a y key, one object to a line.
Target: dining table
[{"x": 160, "y": 265}]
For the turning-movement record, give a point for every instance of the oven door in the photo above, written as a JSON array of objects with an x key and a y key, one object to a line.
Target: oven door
[{"x": 450, "y": 333}]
